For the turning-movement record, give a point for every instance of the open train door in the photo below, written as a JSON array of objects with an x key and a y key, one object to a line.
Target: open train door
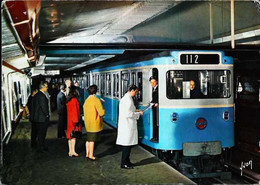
[{"x": 154, "y": 117}]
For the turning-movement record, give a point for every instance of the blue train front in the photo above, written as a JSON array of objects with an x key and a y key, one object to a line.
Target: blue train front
[{"x": 196, "y": 125}]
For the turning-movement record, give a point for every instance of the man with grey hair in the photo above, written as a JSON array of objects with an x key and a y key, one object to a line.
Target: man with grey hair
[
  {"x": 62, "y": 112},
  {"x": 68, "y": 86},
  {"x": 40, "y": 115}
]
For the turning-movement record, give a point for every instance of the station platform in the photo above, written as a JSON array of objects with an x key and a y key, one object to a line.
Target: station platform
[{"x": 23, "y": 165}]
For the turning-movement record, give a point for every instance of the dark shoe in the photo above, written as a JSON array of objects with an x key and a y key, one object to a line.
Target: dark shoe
[
  {"x": 127, "y": 166},
  {"x": 154, "y": 140},
  {"x": 131, "y": 164}
]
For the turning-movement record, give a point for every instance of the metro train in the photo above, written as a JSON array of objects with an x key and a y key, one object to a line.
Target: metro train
[
  {"x": 193, "y": 127},
  {"x": 188, "y": 127}
]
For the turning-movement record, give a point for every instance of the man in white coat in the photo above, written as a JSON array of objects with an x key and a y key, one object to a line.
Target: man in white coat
[{"x": 127, "y": 134}]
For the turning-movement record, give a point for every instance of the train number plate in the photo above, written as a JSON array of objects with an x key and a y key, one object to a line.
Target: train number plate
[{"x": 199, "y": 58}]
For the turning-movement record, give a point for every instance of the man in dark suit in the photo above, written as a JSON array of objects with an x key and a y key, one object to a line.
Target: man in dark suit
[
  {"x": 41, "y": 115},
  {"x": 154, "y": 83},
  {"x": 33, "y": 127},
  {"x": 194, "y": 91},
  {"x": 62, "y": 112}
]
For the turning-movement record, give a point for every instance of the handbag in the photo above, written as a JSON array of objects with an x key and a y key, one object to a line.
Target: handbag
[{"x": 77, "y": 131}]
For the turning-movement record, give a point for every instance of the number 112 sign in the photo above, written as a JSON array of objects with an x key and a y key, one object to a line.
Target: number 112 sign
[{"x": 194, "y": 59}]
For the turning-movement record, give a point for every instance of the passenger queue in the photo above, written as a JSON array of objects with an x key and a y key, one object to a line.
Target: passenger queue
[{"x": 70, "y": 118}]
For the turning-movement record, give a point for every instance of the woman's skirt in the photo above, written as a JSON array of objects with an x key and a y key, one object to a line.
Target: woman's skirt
[{"x": 93, "y": 136}]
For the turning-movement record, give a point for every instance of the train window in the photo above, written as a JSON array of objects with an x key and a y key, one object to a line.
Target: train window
[
  {"x": 97, "y": 82},
  {"x": 85, "y": 82},
  {"x": 116, "y": 85},
  {"x": 108, "y": 84},
  {"x": 93, "y": 80},
  {"x": 133, "y": 78},
  {"x": 81, "y": 82},
  {"x": 140, "y": 86},
  {"x": 102, "y": 83},
  {"x": 206, "y": 84},
  {"x": 125, "y": 80},
  {"x": 88, "y": 81}
]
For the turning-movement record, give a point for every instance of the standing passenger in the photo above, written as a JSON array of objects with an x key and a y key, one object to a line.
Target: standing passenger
[
  {"x": 33, "y": 127},
  {"x": 81, "y": 96},
  {"x": 62, "y": 112},
  {"x": 93, "y": 116},
  {"x": 40, "y": 115},
  {"x": 154, "y": 83},
  {"x": 73, "y": 116},
  {"x": 127, "y": 135},
  {"x": 53, "y": 97},
  {"x": 48, "y": 96},
  {"x": 68, "y": 86}
]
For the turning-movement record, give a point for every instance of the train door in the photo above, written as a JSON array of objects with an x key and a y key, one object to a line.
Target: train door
[
  {"x": 154, "y": 117},
  {"x": 139, "y": 84},
  {"x": 115, "y": 97},
  {"x": 136, "y": 79}
]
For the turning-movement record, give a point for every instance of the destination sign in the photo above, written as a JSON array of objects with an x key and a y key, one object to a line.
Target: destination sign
[{"x": 199, "y": 59}]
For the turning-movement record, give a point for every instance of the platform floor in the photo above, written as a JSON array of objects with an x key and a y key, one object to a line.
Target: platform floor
[{"x": 23, "y": 165}]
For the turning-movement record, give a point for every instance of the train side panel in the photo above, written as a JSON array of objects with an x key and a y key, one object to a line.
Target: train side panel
[{"x": 111, "y": 107}]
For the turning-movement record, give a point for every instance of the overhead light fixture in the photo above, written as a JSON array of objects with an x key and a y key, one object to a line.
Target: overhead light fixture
[
  {"x": 41, "y": 60},
  {"x": 91, "y": 61}
]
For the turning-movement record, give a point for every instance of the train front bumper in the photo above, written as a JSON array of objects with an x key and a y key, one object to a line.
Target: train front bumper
[{"x": 202, "y": 148}]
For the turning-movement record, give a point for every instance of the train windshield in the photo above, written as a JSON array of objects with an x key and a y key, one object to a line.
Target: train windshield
[{"x": 198, "y": 84}]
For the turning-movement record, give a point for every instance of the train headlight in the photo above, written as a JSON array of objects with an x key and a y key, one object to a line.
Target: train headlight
[
  {"x": 226, "y": 115},
  {"x": 174, "y": 116}
]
